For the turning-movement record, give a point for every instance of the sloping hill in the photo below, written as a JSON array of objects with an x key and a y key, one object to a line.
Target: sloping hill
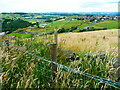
[
  {"x": 109, "y": 24},
  {"x": 84, "y": 42}
]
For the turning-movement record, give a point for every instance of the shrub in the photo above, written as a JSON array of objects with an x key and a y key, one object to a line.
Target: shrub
[
  {"x": 72, "y": 28},
  {"x": 62, "y": 30}
]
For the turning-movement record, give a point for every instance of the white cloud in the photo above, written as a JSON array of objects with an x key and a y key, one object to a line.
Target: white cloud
[{"x": 57, "y": 5}]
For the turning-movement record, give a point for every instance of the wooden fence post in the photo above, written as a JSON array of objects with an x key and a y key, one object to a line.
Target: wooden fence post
[
  {"x": 46, "y": 35},
  {"x": 7, "y": 44},
  {"x": 55, "y": 35},
  {"x": 54, "y": 56}
]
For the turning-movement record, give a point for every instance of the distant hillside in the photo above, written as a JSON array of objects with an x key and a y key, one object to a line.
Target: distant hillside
[{"x": 65, "y": 13}]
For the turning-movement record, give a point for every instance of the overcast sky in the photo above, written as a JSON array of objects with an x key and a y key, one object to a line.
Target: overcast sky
[{"x": 59, "y": 5}]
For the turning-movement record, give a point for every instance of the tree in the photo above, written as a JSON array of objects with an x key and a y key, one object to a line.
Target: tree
[
  {"x": 37, "y": 24},
  {"x": 12, "y": 25},
  {"x": 61, "y": 30}
]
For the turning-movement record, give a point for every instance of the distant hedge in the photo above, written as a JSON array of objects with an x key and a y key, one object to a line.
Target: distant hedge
[
  {"x": 92, "y": 29},
  {"x": 62, "y": 30}
]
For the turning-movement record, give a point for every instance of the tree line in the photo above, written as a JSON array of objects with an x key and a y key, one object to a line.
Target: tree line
[{"x": 12, "y": 25}]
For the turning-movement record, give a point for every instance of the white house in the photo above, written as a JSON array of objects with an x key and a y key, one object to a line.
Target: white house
[
  {"x": 43, "y": 25},
  {"x": 74, "y": 19},
  {"x": 102, "y": 19},
  {"x": 2, "y": 33},
  {"x": 87, "y": 27}
]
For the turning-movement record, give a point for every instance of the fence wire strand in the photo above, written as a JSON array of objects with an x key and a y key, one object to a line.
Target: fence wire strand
[{"x": 111, "y": 83}]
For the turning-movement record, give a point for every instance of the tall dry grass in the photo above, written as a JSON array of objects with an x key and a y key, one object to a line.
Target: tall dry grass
[{"x": 84, "y": 42}]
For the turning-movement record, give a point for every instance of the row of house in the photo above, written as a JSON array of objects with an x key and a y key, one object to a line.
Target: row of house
[
  {"x": 69, "y": 18},
  {"x": 95, "y": 18},
  {"x": 4, "y": 33},
  {"x": 100, "y": 17}
]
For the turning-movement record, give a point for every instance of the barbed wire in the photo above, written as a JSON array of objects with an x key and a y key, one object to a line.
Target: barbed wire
[
  {"x": 100, "y": 79},
  {"x": 53, "y": 72}
]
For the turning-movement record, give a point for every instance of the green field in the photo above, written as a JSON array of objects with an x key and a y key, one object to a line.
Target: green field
[
  {"x": 24, "y": 35},
  {"x": 109, "y": 24},
  {"x": 11, "y": 15},
  {"x": 42, "y": 30},
  {"x": 67, "y": 23},
  {"x": 34, "y": 20}
]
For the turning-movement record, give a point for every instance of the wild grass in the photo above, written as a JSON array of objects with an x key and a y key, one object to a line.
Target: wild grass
[
  {"x": 21, "y": 70},
  {"x": 84, "y": 42}
]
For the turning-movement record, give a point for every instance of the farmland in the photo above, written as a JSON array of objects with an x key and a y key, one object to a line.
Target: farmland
[
  {"x": 93, "y": 41},
  {"x": 66, "y": 24},
  {"x": 109, "y": 24},
  {"x": 25, "y": 35},
  {"x": 34, "y": 20}
]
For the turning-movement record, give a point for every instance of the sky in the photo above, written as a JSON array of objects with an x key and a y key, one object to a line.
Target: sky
[{"x": 58, "y": 6}]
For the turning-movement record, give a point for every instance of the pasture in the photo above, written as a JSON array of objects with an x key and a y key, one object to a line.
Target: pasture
[
  {"x": 93, "y": 41},
  {"x": 68, "y": 24},
  {"x": 109, "y": 24},
  {"x": 34, "y": 20},
  {"x": 23, "y": 35}
]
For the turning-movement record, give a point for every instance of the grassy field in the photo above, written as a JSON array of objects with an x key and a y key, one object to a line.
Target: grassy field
[
  {"x": 41, "y": 30},
  {"x": 24, "y": 35},
  {"x": 83, "y": 42},
  {"x": 34, "y": 20},
  {"x": 66, "y": 24},
  {"x": 30, "y": 72},
  {"x": 21, "y": 67},
  {"x": 94, "y": 41},
  {"x": 109, "y": 24}
]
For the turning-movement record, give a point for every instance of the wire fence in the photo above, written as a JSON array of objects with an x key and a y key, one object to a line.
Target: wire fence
[{"x": 76, "y": 77}]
